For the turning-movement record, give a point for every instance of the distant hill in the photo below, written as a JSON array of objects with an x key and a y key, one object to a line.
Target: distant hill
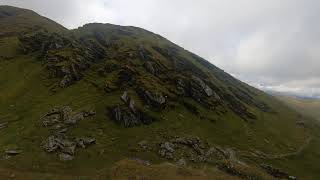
[
  {"x": 306, "y": 106},
  {"x": 105, "y": 101}
]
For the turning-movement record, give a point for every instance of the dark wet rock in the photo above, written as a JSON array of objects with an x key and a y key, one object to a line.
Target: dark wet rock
[
  {"x": 65, "y": 157},
  {"x": 154, "y": 99},
  {"x": 166, "y": 150}
]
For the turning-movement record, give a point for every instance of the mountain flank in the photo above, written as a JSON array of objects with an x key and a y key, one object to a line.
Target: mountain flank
[{"x": 118, "y": 102}]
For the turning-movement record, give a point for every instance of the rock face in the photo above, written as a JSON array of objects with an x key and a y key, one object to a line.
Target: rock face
[
  {"x": 65, "y": 58},
  {"x": 152, "y": 67},
  {"x": 275, "y": 172},
  {"x": 58, "y": 120},
  {"x": 153, "y": 99},
  {"x": 196, "y": 88},
  {"x": 128, "y": 115}
]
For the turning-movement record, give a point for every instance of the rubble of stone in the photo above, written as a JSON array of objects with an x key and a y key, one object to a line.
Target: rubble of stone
[
  {"x": 194, "y": 150},
  {"x": 58, "y": 120},
  {"x": 128, "y": 115}
]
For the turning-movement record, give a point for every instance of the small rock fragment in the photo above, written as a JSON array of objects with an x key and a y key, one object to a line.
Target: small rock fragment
[{"x": 65, "y": 157}]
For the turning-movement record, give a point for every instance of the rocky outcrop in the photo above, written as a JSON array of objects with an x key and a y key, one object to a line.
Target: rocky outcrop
[
  {"x": 153, "y": 99},
  {"x": 152, "y": 67},
  {"x": 65, "y": 58},
  {"x": 58, "y": 120},
  {"x": 166, "y": 150},
  {"x": 275, "y": 172},
  {"x": 63, "y": 116},
  {"x": 195, "y": 150},
  {"x": 128, "y": 115},
  {"x": 127, "y": 76}
]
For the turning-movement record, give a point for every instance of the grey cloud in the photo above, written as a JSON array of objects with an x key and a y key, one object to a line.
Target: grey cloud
[{"x": 274, "y": 43}]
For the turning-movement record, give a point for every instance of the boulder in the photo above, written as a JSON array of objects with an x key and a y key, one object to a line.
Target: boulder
[
  {"x": 74, "y": 119},
  {"x": 198, "y": 85},
  {"x": 89, "y": 113},
  {"x": 154, "y": 99},
  {"x": 85, "y": 141},
  {"x": 124, "y": 116},
  {"x": 125, "y": 98},
  {"x": 166, "y": 150},
  {"x": 65, "y": 157}
]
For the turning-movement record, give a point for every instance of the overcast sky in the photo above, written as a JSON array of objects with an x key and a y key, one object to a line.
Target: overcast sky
[{"x": 270, "y": 44}]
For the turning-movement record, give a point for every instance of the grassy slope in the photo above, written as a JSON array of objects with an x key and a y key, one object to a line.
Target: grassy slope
[{"x": 25, "y": 96}]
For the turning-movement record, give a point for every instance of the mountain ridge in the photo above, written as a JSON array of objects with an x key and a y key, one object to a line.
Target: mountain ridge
[{"x": 99, "y": 94}]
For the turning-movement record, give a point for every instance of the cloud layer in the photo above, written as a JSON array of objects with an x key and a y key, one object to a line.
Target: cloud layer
[{"x": 271, "y": 44}]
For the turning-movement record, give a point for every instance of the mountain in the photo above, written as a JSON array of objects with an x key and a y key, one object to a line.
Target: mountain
[
  {"x": 105, "y": 101},
  {"x": 307, "y": 107}
]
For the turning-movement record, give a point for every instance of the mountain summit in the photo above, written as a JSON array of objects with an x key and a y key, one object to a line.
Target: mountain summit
[{"x": 116, "y": 101}]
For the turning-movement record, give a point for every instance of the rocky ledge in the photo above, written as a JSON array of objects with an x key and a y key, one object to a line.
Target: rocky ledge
[{"x": 59, "y": 120}]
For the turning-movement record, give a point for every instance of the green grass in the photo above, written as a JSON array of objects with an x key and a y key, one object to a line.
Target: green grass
[{"x": 25, "y": 95}]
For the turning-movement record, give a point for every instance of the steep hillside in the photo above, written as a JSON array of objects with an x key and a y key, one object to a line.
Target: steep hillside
[{"x": 103, "y": 98}]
